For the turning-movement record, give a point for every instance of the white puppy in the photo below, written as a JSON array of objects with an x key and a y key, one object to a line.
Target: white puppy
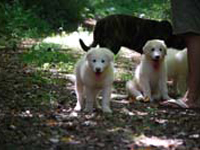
[
  {"x": 150, "y": 78},
  {"x": 177, "y": 69},
  {"x": 94, "y": 73}
]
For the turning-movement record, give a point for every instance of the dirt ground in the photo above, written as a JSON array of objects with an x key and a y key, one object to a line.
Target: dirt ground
[{"x": 27, "y": 122}]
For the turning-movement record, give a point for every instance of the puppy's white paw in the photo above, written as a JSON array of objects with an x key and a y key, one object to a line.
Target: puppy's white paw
[
  {"x": 77, "y": 108},
  {"x": 107, "y": 109},
  {"x": 140, "y": 98}
]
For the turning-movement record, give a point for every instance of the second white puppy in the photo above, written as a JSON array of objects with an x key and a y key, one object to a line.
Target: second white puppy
[
  {"x": 149, "y": 82},
  {"x": 177, "y": 69},
  {"x": 94, "y": 73}
]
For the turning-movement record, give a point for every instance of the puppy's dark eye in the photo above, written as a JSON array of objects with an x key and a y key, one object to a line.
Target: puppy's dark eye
[
  {"x": 153, "y": 49},
  {"x": 103, "y": 61},
  {"x": 160, "y": 49},
  {"x": 94, "y": 60}
]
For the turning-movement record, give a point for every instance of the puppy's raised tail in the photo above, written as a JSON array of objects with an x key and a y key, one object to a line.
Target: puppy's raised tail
[{"x": 85, "y": 47}]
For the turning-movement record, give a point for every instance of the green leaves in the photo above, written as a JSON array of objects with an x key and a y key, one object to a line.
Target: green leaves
[
  {"x": 48, "y": 56},
  {"x": 158, "y": 9},
  {"x": 22, "y": 22}
]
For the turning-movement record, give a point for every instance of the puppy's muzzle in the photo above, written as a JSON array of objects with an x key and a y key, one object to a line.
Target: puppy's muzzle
[
  {"x": 98, "y": 70},
  {"x": 157, "y": 57}
]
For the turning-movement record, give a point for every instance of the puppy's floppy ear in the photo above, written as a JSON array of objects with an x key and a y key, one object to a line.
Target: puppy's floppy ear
[
  {"x": 164, "y": 47},
  {"x": 146, "y": 47},
  {"x": 109, "y": 55},
  {"x": 89, "y": 54}
]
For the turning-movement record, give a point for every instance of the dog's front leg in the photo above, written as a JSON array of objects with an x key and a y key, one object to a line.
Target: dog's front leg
[
  {"x": 146, "y": 89},
  {"x": 90, "y": 98},
  {"x": 181, "y": 85},
  {"x": 106, "y": 94},
  {"x": 79, "y": 94},
  {"x": 163, "y": 88}
]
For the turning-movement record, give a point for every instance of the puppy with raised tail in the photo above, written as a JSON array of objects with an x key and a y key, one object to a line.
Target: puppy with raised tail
[
  {"x": 94, "y": 73},
  {"x": 150, "y": 80}
]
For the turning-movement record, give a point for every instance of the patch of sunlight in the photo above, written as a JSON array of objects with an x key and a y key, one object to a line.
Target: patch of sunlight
[
  {"x": 58, "y": 67},
  {"x": 26, "y": 114},
  {"x": 140, "y": 113},
  {"x": 115, "y": 129},
  {"x": 128, "y": 53},
  {"x": 69, "y": 139},
  {"x": 145, "y": 141},
  {"x": 70, "y": 40}
]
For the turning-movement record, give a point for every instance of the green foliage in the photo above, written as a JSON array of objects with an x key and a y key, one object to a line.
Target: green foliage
[
  {"x": 37, "y": 18},
  {"x": 23, "y": 23},
  {"x": 18, "y": 23},
  {"x": 126, "y": 76},
  {"x": 59, "y": 13},
  {"x": 157, "y": 9},
  {"x": 48, "y": 56},
  {"x": 40, "y": 78}
]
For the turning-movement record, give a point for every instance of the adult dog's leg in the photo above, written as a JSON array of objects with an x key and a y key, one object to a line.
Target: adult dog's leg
[
  {"x": 115, "y": 48},
  {"x": 106, "y": 94}
]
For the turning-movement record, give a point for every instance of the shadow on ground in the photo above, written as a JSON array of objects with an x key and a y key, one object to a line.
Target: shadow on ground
[{"x": 36, "y": 113}]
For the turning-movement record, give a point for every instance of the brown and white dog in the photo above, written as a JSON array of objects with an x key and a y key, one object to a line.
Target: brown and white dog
[
  {"x": 94, "y": 73},
  {"x": 150, "y": 80}
]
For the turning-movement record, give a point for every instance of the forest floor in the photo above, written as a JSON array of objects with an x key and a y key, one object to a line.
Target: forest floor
[{"x": 36, "y": 113}]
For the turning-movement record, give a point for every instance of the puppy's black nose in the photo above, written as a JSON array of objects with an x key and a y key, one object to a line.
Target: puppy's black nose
[
  {"x": 157, "y": 57},
  {"x": 98, "y": 69}
]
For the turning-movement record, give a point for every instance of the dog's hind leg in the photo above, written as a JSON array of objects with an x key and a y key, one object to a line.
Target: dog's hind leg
[
  {"x": 133, "y": 92},
  {"x": 114, "y": 48}
]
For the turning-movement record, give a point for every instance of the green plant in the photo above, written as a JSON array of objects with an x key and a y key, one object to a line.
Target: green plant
[
  {"x": 47, "y": 56},
  {"x": 126, "y": 76},
  {"x": 22, "y": 22},
  {"x": 59, "y": 13},
  {"x": 158, "y": 9}
]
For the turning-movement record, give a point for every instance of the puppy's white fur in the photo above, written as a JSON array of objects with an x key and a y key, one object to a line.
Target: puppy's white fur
[
  {"x": 149, "y": 82},
  {"x": 177, "y": 69},
  {"x": 94, "y": 73}
]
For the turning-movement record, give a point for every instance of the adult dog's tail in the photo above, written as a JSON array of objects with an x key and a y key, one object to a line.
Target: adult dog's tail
[{"x": 85, "y": 47}]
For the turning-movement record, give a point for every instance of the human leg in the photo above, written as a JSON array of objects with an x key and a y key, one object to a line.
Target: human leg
[{"x": 192, "y": 97}]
